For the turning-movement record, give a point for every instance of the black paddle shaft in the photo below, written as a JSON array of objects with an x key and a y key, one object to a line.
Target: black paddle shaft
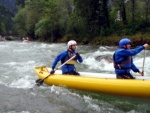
[{"x": 40, "y": 81}]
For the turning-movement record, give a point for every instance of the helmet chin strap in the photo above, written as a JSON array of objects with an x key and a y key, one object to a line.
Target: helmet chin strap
[
  {"x": 70, "y": 48},
  {"x": 125, "y": 46}
]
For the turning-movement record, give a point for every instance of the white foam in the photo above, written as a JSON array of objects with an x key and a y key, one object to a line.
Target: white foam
[
  {"x": 22, "y": 83},
  {"x": 18, "y": 112}
]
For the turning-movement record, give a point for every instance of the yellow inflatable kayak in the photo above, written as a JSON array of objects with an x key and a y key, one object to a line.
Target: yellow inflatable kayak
[{"x": 97, "y": 82}]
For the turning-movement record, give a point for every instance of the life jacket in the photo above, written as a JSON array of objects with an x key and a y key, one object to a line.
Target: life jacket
[
  {"x": 121, "y": 64},
  {"x": 71, "y": 62}
]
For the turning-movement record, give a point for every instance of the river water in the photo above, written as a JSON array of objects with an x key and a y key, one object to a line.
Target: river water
[{"x": 19, "y": 94}]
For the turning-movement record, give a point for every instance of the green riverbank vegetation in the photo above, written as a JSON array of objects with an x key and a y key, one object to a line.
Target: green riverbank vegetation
[{"x": 99, "y": 22}]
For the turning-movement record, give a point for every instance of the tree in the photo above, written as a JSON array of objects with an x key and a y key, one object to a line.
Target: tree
[
  {"x": 28, "y": 16},
  {"x": 20, "y": 3},
  {"x": 147, "y": 10},
  {"x": 94, "y": 13},
  {"x": 120, "y": 5},
  {"x": 133, "y": 11},
  {"x": 6, "y": 23}
]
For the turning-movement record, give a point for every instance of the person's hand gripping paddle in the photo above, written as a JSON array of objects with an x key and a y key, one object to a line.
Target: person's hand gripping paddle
[{"x": 40, "y": 81}]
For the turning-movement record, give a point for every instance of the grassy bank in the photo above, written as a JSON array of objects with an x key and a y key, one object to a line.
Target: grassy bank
[{"x": 137, "y": 39}]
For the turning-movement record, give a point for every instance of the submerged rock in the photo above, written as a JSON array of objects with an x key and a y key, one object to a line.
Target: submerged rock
[{"x": 105, "y": 57}]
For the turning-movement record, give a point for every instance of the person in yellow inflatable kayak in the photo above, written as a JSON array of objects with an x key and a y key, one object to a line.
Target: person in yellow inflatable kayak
[
  {"x": 65, "y": 55},
  {"x": 123, "y": 61}
]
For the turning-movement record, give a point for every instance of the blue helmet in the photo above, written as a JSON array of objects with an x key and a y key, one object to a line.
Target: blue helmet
[{"x": 124, "y": 41}]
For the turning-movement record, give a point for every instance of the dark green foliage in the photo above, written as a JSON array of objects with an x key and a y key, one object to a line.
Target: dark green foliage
[
  {"x": 20, "y": 3},
  {"x": 83, "y": 20},
  {"x": 9, "y": 4},
  {"x": 6, "y": 22},
  {"x": 95, "y": 15}
]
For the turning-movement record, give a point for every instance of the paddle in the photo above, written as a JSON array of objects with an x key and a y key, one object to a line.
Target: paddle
[
  {"x": 40, "y": 81},
  {"x": 143, "y": 62}
]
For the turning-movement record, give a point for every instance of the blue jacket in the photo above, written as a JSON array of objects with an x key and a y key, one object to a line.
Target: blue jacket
[
  {"x": 120, "y": 56},
  {"x": 66, "y": 68}
]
